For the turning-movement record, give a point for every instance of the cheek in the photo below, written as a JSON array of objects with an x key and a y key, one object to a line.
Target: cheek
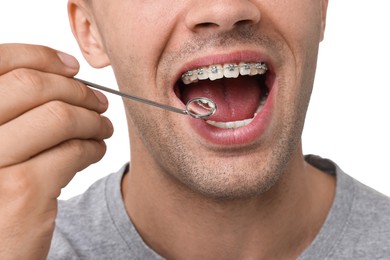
[
  {"x": 298, "y": 21},
  {"x": 141, "y": 28},
  {"x": 135, "y": 39},
  {"x": 299, "y": 24}
]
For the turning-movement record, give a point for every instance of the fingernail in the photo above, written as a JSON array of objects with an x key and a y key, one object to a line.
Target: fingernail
[
  {"x": 68, "y": 60},
  {"x": 110, "y": 126}
]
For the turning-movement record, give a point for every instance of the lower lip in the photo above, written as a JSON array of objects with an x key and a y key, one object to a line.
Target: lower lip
[{"x": 236, "y": 137}]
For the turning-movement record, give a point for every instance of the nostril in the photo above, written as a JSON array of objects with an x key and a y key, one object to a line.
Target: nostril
[
  {"x": 222, "y": 15},
  {"x": 206, "y": 25},
  {"x": 211, "y": 25},
  {"x": 243, "y": 23},
  {"x": 214, "y": 25}
]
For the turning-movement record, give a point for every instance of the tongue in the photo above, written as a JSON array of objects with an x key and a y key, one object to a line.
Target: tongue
[{"x": 236, "y": 99}]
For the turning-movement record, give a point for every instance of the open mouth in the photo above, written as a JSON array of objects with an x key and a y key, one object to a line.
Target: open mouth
[{"x": 239, "y": 89}]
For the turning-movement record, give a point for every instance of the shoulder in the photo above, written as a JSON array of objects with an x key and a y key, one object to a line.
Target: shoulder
[
  {"x": 84, "y": 225},
  {"x": 358, "y": 224},
  {"x": 366, "y": 230}
]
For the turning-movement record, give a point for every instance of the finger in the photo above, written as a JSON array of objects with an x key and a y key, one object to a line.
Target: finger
[
  {"x": 14, "y": 56},
  {"x": 65, "y": 160},
  {"x": 24, "y": 89},
  {"x": 29, "y": 191},
  {"x": 48, "y": 172},
  {"x": 47, "y": 126}
]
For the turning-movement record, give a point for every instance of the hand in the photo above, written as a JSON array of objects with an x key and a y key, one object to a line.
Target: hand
[{"x": 51, "y": 127}]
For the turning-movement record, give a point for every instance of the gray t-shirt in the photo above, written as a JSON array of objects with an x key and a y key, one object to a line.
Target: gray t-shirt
[{"x": 95, "y": 225}]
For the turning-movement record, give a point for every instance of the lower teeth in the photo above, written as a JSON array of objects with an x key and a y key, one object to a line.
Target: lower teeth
[
  {"x": 240, "y": 123},
  {"x": 230, "y": 125}
]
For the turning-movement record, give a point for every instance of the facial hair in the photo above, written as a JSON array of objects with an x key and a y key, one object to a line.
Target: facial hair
[{"x": 229, "y": 174}]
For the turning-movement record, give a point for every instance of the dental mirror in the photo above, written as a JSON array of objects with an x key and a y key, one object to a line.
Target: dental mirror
[{"x": 199, "y": 108}]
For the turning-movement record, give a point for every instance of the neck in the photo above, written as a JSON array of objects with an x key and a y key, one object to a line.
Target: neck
[{"x": 179, "y": 224}]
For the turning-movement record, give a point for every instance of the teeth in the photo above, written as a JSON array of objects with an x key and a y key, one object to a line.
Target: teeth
[
  {"x": 206, "y": 104},
  {"x": 230, "y": 125},
  {"x": 202, "y": 73},
  {"x": 186, "y": 77},
  {"x": 231, "y": 70},
  {"x": 240, "y": 123},
  {"x": 245, "y": 68},
  {"x": 215, "y": 72}
]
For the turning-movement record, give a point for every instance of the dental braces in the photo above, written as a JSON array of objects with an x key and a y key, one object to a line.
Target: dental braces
[{"x": 230, "y": 70}]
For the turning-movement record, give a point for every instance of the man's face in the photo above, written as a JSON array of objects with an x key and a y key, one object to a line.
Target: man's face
[{"x": 154, "y": 46}]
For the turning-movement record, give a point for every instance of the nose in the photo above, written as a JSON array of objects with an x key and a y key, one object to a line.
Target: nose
[{"x": 221, "y": 15}]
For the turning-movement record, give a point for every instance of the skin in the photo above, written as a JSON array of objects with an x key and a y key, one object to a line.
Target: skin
[
  {"x": 158, "y": 136},
  {"x": 210, "y": 191},
  {"x": 50, "y": 128},
  {"x": 255, "y": 200}
]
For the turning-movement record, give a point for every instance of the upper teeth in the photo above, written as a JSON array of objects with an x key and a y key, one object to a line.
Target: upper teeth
[{"x": 231, "y": 70}]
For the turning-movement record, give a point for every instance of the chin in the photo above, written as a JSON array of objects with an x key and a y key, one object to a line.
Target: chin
[{"x": 234, "y": 178}]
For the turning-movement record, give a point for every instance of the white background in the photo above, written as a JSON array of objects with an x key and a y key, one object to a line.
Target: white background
[{"x": 348, "y": 118}]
